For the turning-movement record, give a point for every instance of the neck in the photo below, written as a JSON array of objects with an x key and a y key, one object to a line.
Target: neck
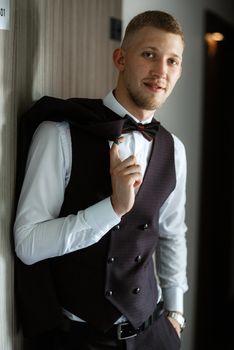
[{"x": 137, "y": 112}]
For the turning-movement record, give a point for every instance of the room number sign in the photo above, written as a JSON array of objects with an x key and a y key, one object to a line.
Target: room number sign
[{"x": 5, "y": 14}]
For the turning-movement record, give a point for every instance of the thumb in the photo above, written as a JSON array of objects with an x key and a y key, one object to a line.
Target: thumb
[{"x": 114, "y": 155}]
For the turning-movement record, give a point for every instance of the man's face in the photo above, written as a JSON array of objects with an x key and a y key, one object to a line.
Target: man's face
[{"x": 150, "y": 67}]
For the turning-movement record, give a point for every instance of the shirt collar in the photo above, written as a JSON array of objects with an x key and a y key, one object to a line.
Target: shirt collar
[{"x": 110, "y": 101}]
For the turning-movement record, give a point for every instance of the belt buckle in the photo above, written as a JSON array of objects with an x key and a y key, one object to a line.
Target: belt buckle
[{"x": 120, "y": 332}]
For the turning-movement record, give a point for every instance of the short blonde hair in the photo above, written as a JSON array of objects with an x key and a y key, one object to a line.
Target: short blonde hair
[{"x": 158, "y": 19}]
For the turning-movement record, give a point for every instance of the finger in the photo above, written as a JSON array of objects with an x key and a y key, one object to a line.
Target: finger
[
  {"x": 114, "y": 156},
  {"x": 131, "y": 170},
  {"x": 114, "y": 152},
  {"x": 137, "y": 183},
  {"x": 135, "y": 179},
  {"x": 128, "y": 162}
]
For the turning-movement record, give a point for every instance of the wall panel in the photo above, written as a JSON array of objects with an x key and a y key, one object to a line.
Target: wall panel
[{"x": 64, "y": 38}]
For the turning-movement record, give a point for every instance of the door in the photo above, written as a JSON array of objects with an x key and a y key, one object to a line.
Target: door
[{"x": 216, "y": 241}]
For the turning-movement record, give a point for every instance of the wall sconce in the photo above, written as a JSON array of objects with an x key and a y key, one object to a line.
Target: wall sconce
[{"x": 212, "y": 40}]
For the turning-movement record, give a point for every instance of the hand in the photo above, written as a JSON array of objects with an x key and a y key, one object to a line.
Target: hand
[
  {"x": 176, "y": 325},
  {"x": 125, "y": 177}
]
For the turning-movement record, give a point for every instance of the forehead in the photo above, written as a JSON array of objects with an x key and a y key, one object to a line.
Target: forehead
[{"x": 156, "y": 38}]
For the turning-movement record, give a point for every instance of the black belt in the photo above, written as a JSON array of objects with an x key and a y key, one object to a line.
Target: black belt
[
  {"x": 122, "y": 330},
  {"x": 125, "y": 330}
]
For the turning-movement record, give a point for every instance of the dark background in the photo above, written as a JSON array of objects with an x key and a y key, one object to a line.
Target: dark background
[{"x": 215, "y": 286}]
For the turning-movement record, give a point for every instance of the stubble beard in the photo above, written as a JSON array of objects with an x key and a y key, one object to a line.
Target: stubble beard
[{"x": 144, "y": 102}]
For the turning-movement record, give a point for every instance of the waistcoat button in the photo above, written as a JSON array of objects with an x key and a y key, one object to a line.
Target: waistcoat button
[
  {"x": 109, "y": 293},
  {"x": 110, "y": 260},
  {"x": 138, "y": 258},
  {"x": 136, "y": 290},
  {"x": 116, "y": 228},
  {"x": 145, "y": 226}
]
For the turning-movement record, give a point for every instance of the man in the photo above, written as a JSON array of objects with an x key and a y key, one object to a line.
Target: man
[{"x": 92, "y": 211}]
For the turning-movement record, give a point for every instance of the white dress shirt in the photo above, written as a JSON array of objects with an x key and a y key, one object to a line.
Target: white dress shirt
[{"x": 40, "y": 234}]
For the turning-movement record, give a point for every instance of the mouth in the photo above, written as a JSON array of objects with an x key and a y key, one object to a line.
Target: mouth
[{"x": 155, "y": 86}]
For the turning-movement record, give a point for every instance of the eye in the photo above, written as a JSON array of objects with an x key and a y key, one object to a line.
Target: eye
[
  {"x": 173, "y": 62},
  {"x": 148, "y": 54}
]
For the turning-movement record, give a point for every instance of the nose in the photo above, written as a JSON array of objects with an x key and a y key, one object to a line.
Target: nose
[{"x": 159, "y": 69}]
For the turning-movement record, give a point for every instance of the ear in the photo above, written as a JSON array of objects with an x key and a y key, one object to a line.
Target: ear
[{"x": 119, "y": 58}]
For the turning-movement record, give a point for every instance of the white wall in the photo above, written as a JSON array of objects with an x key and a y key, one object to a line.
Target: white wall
[{"x": 182, "y": 114}]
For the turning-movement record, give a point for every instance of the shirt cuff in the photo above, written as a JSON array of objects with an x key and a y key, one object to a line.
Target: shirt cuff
[
  {"x": 101, "y": 216},
  {"x": 173, "y": 299}
]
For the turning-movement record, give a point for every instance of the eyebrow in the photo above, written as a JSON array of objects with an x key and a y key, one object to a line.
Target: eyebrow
[{"x": 156, "y": 50}]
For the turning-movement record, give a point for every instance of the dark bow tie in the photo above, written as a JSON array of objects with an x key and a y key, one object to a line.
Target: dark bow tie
[{"x": 148, "y": 130}]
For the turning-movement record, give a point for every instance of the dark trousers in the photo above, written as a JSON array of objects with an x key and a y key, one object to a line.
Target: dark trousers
[{"x": 159, "y": 336}]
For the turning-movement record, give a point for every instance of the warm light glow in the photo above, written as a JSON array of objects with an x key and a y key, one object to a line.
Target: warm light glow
[
  {"x": 216, "y": 36},
  {"x": 212, "y": 41}
]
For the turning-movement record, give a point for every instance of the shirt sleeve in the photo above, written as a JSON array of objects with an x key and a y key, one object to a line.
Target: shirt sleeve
[
  {"x": 38, "y": 231},
  {"x": 171, "y": 255}
]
